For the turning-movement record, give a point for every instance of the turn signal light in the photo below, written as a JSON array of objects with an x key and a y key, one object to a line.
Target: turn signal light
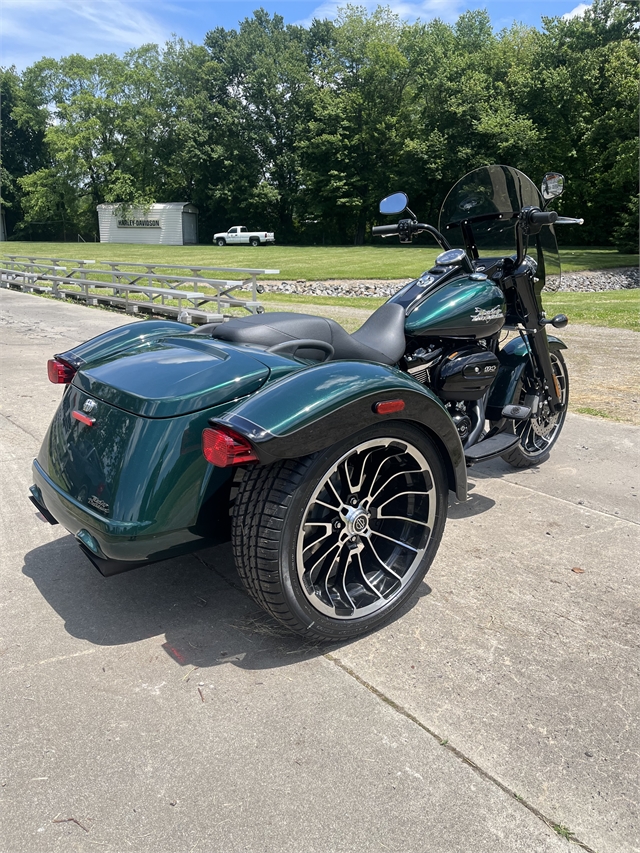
[
  {"x": 223, "y": 447},
  {"x": 388, "y": 406},
  {"x": 60, "y": 373}
]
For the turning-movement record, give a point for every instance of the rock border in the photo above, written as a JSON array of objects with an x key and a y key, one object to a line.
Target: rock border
[{"x": 623, "y": 278}]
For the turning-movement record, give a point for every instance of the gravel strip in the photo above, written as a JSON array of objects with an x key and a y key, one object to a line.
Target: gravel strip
[{"x": 623, "y": 278}]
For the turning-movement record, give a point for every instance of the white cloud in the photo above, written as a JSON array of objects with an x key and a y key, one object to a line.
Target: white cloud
[
  {"x": 426, "y": 10},
  {"x": 32, "y": 29},
  {"x": 578, "y": 12}
]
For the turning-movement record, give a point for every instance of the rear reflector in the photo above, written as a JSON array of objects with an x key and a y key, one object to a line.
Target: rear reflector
[
  {"x": 84, "y": 419},
  {"x": 388, "y": 406},
  {"x": 223, "y": 447},
  {"x": 60, "y": 373}
]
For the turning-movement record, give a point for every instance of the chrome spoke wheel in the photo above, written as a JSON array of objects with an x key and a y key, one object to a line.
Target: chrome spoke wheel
[
  {"x": 538, "y": 434},
  {"x": 365, "y": 528}
]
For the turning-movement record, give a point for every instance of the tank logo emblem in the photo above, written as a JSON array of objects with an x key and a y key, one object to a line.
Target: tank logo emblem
[
  {"x": 90, "y": 406},
  {"x": 483, "y": 315},
  {"x": 98, "y": 504}
]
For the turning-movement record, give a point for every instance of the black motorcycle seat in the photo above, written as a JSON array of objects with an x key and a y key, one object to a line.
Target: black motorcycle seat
[{"x": 380, "y": 339}]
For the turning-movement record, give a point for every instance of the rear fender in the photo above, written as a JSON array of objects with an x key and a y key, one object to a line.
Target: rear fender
[
  {"x": 314, "y": 408},
  {"x": 513, "y": 361}
]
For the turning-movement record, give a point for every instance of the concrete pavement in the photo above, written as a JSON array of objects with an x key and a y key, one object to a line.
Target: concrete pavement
[{"x": 160, "y": 710}]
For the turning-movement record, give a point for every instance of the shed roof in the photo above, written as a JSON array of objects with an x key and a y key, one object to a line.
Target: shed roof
[{"x": 160, "y": 206}]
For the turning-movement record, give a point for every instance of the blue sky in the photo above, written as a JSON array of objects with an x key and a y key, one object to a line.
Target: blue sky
[{"x": 31, "y": 29}]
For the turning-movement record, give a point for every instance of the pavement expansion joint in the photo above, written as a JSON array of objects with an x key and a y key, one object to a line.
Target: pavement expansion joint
[
  {"x": 561, "y": 500},
  {"x": 24, "y": 666},
  {"x": 21, "y": 428},
  {"x": 211, "y": 567},
  {"x": 488, "y": 777}
]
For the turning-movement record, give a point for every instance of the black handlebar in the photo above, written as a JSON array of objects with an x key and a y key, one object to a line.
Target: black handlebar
[
  {"x": 384, "y": 230},
  {"x": 406, "y": 229}
]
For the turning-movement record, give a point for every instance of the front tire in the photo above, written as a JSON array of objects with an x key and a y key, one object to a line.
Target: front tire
[
  {"x": 540, "y": 433},
  {"x": 221, "y": 241},
  {"x": 331, "y": 545}
]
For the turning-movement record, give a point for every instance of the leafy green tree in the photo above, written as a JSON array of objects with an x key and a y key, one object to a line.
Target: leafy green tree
[
  {"x": 354, "y": 140},
  {"x": 304, "y": 129},
  {"x": 585, "y": 101},
  {"x": 264, "y": 68},
  {"x": 626, "y": 234},
  {"x": 23, "y": 150},
  {"x": 103, "y": 137}
]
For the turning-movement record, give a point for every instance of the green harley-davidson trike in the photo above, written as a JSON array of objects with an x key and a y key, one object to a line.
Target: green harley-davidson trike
[{"x": 325, "y": 457}]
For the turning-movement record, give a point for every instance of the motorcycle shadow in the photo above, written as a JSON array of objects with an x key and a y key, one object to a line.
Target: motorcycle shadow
[
  {"x": 475, "y": 504},
  {"x": 194, "y": 606}
]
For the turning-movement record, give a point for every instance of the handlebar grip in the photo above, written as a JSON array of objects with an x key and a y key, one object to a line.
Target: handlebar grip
[
  {"x": 569, "y": 220},
  {"x": 543, "y": 217},
  {"x": 384, "y": 230}
]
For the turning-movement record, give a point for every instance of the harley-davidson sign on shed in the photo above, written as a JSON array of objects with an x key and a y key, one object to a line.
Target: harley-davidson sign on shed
[
  {"x": 173, "y": 224},
  {"x": 138, "y": 223}
]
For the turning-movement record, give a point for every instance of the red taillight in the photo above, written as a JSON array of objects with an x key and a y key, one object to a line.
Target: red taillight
[
  {"x": 60, "y": 373},
  {"x": 388, "y": 406},
  {"x": 223, "y": 447}
]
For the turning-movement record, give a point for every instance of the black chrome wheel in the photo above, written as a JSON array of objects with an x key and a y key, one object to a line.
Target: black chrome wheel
[
  {"x": 366, "y": 528},
  {"x": 334, "y": 543},
  {"x": 539, "y": 433}
]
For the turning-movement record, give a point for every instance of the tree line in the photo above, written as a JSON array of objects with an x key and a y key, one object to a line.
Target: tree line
[{"x": 302, "y": 130}]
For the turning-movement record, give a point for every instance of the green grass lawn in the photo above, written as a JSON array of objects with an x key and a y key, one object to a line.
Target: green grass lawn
[
  {"x": 576, "y": 259},
  {"x": 311, "y": 263},
  {"x": 618, "y": 309}
]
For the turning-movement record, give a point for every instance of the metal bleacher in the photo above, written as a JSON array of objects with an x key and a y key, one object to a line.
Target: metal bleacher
[{"x": 152, "y": 288}]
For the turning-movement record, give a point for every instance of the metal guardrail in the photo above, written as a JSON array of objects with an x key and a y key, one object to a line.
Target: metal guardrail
[{"x": 30, "y": 272}]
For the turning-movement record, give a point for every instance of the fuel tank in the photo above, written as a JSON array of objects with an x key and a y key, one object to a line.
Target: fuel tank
[{"x": 468, "y": 306}]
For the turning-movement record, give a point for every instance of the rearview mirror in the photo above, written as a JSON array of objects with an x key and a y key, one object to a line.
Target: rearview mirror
[
  {"x": 552, "y": 185},
  {"x": 395, "y": 203}
]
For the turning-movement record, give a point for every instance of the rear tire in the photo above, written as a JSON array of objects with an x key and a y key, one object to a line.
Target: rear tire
[
  {"x": 331, "y": 545},
  {"x": 254, "y": 241},
  {"x": 540, "y": 433},
  {"x": 221, "y": 241}
]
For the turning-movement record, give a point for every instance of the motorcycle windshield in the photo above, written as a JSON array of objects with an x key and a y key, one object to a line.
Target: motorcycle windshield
[{"x": 480, "y": 213}]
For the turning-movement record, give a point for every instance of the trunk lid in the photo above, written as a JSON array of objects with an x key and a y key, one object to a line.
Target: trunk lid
[{"x": 172, "y": 377}]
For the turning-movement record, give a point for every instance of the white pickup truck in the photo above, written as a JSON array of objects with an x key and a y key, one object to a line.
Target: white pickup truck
[{"x": 238, "y": 235}]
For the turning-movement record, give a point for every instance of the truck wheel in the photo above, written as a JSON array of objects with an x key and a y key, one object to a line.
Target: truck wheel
[
  {"x": 540, "y": 433},
  {"x": 254, "y": 241},
  {"x": 221, "y": 241},
  {"x": 333, "y": 544}
]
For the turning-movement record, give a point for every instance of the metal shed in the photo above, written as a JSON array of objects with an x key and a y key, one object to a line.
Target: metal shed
[{"x": 174, "y": 223}]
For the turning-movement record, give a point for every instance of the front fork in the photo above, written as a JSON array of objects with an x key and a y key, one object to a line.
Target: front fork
[{"x": 534, "y": 329}]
